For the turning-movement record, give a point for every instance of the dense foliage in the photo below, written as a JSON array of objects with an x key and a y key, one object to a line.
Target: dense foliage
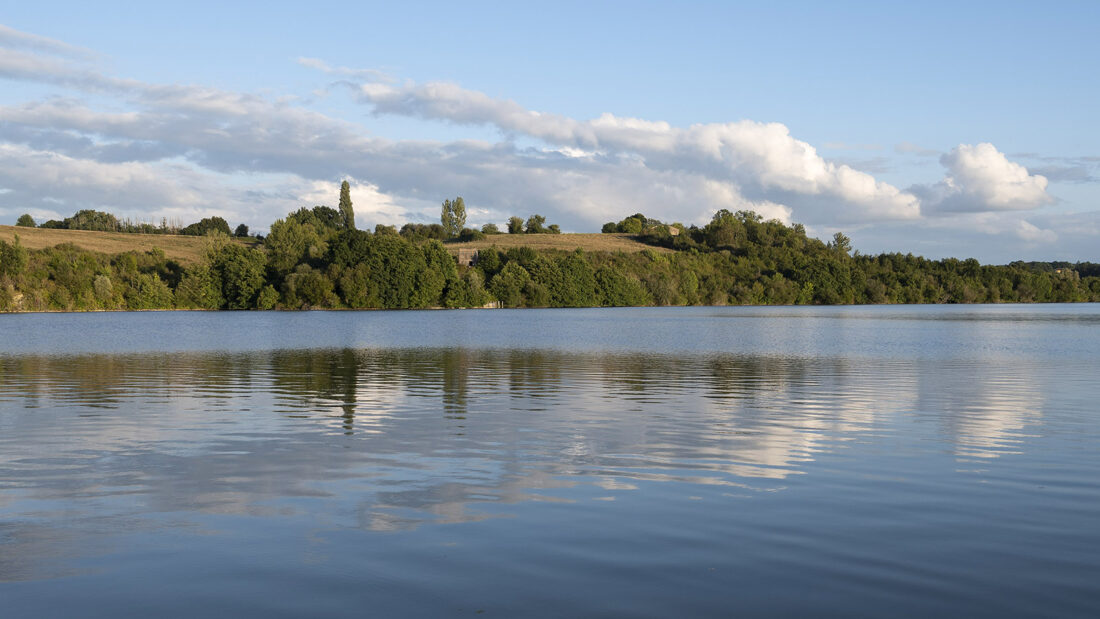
[
  {"x": 206, "y": 226},
  {"x": 315, "y": 259}
]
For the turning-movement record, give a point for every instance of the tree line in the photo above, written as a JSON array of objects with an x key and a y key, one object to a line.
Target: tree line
[
  {"x": 317, "y": 258},
  {"x": 98, "y": 221}
]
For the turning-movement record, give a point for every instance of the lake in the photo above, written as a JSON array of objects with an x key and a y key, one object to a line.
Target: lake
[{"x": 643, "y": 462}]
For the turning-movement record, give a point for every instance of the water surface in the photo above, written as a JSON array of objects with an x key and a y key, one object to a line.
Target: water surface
[{"x": 841, "y": 461}]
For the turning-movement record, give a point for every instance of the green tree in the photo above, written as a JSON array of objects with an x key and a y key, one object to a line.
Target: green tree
[
  {"x": 13, "y": 258},
  {"x": 440, "y": 274},
  {"x": 515, "y": 225},
  {"x": 25, "y": 220},
  {"x": 326, "y": 220},
  {"x": 149, "y": 292},
  {"x": 307, "y": 287},
  {"x": 488, "y": 261},
  {"x": 356, "y": 287},
  {"x": 476, "y": 295},
  {"x": 346, "y": 210},
  {"x": 206, "y": 226},
  {"x": 200, "y": 288},
  {"x": 508, "y": 285},
  {"x": 240, "y": 271},
  {"x": 92, "y": 220},
  {"x": 490, "y": 229},
  {"x": 453, "y": 216},
  {"x": 576, "y": 282},
  {"x": 268, "y": 298},
  {"x": 241, "y": 231},
  {"x": 291, "y": 242},
  {"x": 536, "y": 224},
  {"x": 104, "y": 290},
  {"x": 841, "y": 244},
  {"x": 631, "y": 225},
  {"x": 617, "y": 289}
]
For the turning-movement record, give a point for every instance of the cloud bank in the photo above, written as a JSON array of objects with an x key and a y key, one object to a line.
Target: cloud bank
[{"x": 761, "y": 161}]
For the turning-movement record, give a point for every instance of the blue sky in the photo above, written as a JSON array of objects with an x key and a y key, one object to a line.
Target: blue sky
[{"x": 934, "y": 129}]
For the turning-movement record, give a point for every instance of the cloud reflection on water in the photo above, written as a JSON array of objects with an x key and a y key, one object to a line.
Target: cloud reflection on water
[{"x": 390, "y": 439}]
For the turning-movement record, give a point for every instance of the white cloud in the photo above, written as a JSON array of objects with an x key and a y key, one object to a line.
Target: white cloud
[
  {"x": 371, "y": 206},
  {"x": 371, "y": 75},
  {"x": 11, "y": 38},
  {"x": 1033, "y": 234},
  {"x": 981, "y": 178},
  {"x": 762, "y": 158},
  {"x": 45, "y": 174},
  {"x": 229, "y": 133},
  {"x": 52, "y": 185}
]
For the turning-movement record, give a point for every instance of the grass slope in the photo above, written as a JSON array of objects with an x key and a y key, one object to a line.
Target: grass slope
[
  {"x": 566, "y": 242},
  {"x": 189, "y": 249},
  {"x": 183, "y": 249}
]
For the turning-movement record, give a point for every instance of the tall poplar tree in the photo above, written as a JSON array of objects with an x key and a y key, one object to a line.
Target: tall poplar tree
[
  {"x": 459, "y": 208},
  {"x": 453, "y": 217},
  {"x": 345, "y": 206}
]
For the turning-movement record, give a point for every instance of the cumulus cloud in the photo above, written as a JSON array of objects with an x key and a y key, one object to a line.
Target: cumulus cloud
[{"x": 981, "y": 178}]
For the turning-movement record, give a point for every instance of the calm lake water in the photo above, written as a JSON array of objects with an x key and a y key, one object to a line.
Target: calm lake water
[{"x": 647, "y": 462}]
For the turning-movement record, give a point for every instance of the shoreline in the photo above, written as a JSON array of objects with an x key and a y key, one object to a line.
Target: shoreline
[{"x": 439, "y": 308}]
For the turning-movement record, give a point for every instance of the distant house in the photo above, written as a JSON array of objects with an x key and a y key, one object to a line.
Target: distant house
[{"x": 465, "y": 256}]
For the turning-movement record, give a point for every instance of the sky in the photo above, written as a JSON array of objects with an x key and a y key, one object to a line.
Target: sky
[{"x": 933, "y": 128}]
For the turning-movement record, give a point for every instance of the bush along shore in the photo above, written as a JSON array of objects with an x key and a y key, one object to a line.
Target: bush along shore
[{"x": 315, "y": 258}]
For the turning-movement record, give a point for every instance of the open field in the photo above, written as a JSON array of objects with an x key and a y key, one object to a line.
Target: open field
[
  {"x": 189, "y": 249},
  {"x": 566, "y": 242},
  {"x": 183, "y": 249}
]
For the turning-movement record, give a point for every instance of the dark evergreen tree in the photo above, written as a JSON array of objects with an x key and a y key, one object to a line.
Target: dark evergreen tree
[{"x": 346, "y": 211}]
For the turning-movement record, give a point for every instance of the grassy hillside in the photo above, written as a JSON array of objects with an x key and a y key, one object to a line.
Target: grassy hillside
[
  {"x": 568, "y": 242},
  {"x": 188, "y": 249},
  {"x": 183, "y": 249}
]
